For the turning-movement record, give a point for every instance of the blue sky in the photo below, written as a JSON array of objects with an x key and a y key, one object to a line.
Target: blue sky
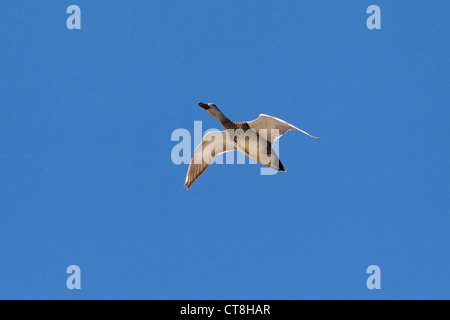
[{"x": 87, "y": 178}]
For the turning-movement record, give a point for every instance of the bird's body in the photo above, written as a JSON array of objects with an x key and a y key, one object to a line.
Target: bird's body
[{"x": 254, "y": 139}]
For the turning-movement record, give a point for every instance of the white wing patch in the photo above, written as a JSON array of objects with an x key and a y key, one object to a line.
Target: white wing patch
[
  {"x": 274, "y": 127},
  {"x": 213, "y": 144}
]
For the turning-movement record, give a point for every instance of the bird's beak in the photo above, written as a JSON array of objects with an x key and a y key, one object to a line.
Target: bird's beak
[{"x": 204, "y": 106}]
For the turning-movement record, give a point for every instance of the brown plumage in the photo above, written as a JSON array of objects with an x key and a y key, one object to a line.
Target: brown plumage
[{"x": 243, "y": 136}]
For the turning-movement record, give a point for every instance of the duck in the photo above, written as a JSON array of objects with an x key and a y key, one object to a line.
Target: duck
[{"x": 253, "y": 138}]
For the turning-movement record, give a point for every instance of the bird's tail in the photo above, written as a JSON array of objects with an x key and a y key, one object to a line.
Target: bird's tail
[{"x": 281, "y": 166}]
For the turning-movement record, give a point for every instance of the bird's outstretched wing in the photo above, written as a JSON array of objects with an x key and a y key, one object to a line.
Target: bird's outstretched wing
[
  {"x": 213, "y": 144},
  {"x": 274, "y": 127}
]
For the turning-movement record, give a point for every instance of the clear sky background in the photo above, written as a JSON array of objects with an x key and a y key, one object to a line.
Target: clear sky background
[{"x": 86, "y": 175}]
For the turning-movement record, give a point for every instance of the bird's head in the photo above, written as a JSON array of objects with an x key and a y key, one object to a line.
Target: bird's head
[{"x": 211, "y": 108}]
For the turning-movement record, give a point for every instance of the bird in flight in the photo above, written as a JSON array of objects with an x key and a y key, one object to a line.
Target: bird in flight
[{"x": 253, "y": 138}]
